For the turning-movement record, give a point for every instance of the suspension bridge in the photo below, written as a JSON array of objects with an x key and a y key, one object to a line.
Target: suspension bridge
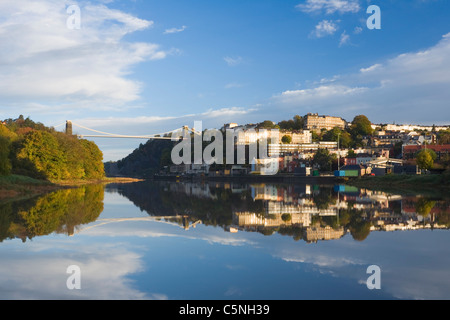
[
  {"x": 178, "y": 221},
  {"x": 169, "y": 135}
]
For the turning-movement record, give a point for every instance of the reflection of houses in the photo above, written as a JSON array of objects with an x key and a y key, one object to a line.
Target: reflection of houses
[
  {"x": 189, "y": 169},
  {"x": 265, "y": 192},
  {"x": 193, "y": 189},
  {"x": 314, "y": 234},
  {"x": 253, "y": 220}
]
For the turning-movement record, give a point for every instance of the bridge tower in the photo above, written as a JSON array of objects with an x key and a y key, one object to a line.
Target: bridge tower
[{"x": 69, "y": 127}]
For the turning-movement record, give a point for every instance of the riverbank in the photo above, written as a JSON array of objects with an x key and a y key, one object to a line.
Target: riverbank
[
  {"x": 15, "y": 187},
  {"x": 278, "y": 178},
  {"x": 429, "y": 184}
]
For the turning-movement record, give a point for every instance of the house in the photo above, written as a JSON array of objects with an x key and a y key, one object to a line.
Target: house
[
  {"x": 410, "y": 151},
  {"x": 269, "y": 166},
  {"x": 314, "y": 122},
  {"x": 406, "y": 169},
  {"x": 352, "y": 170}
]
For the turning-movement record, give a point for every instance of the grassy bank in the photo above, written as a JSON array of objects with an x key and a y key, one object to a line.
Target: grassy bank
[
  {"x": 18, "y": 187},
  {"x": 15, "y": 186},
  {"x": 430, "y": 184}
]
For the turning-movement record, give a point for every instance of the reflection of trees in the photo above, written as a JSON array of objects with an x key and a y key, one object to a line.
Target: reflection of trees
[
  {"x": 355, "y": 212},
  {"x": 60, "y": 212},
  {"x": 324, "y": 198},
  {"x": 423, "y": 206},
  {"x": 158, "y": 199}
]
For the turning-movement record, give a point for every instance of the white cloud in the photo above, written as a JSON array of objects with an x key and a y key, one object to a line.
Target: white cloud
[
  {"x": 43, "y": 60},
  {"x": 345, "y": 38},
  {"x": 408, "y": 87},
  {"x": 358, "y": 30},
  {"x": 175, "y": 30},
  {"x": 329, "y": 6},
  {"x": 105, "y": 273},
  {"x": 232, "y": 62},
  {"x": 319, "y": 93},
  {"x": 324, "y": 28},
  {"x": 371, "y": 68},
  {"x": 234, "y": 85}
]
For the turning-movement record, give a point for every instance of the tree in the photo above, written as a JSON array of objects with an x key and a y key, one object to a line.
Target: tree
[
  {"x": 39, "y": 155},
  {"x": 5, "y": 163},
  {"x": 286, "y": 139},
  {"x": 267, "y": 124},
  {"x": 444, "y": 137},
  {"x": 335, "y": 134},
  {"x": 294, "y": 124},
  {"x": 425, "y": 159},
  {"x": 361, "y": 126},
  {"x": 93, "y": 160},
  {"x": 423, "y": 206},
  {"x": 323, "y": 159}
]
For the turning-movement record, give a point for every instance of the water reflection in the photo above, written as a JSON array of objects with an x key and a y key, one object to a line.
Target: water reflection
[
  {"x": 127, "y": 246},
  {"x": 306, "y": 212},
  {"x": 59, "y": 212}
]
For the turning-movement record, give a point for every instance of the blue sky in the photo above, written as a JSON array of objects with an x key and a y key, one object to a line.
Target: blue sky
[{"x": 145, "y": 67}]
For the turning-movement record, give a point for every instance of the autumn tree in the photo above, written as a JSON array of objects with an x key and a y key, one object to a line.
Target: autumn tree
[
  {"x": 323, "y": 159},
  {"x": 286, "y": 139},
  {"x": 361, "y": 126},
  {"x": 425, "y": 159},
  {"x": 5, "y": 164}
]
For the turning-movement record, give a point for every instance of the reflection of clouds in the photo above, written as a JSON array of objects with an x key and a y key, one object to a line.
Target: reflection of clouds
[
  {"x": 233, "y": 292},
  {"x": 409, "y": 267},
  {"x": 39, "y": 274},
  {"x": 344, "y": 258},
  {"x": 154, "y": 229}
]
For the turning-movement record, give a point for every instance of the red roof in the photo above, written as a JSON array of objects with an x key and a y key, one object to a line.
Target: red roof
[{"x": 436, "y": 148}]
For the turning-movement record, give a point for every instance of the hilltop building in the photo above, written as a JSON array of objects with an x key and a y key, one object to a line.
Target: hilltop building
[{"x": 316, "y": 123}]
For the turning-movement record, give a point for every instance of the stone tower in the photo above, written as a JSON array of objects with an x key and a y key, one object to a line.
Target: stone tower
[{"x": 69, "y": 127}]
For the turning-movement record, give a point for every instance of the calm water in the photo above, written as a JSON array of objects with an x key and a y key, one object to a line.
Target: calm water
[{"x": 224, "y": 241}]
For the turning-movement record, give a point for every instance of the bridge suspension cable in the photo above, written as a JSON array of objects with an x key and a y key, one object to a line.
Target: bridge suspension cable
[{"x": 160, "y": 136}]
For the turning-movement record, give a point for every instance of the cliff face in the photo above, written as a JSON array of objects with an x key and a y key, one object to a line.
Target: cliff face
[{"x": 144, "y": 161}]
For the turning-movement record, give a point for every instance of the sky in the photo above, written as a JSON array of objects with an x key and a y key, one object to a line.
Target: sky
[{"x": 142, "y": 67}]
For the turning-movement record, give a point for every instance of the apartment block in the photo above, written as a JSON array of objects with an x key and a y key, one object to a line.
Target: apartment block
[{"x": 316, "y": 123}]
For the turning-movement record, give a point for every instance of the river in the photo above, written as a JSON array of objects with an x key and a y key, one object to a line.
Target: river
[{"x": 224, "y": 241}]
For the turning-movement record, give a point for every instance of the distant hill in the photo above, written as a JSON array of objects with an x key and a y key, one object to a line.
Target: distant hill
[{"x": 144, "y": 161}]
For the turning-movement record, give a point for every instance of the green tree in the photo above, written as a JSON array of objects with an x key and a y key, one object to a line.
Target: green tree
[
  {"x": 294, "y": 124},
  {"x": 323, "y": 159},
  {"x": 39, "y": 155},
  {"x": 5, "y": 163},
  {"x": 444, "y": 137},
  {"x": 286, "y": 139},
  {"x": 93, "y": 160},
  {"x": 351, "y": 154},
  {"x": 267, "y": 124},
  {"x": 425, "y": 159},
  {"x": 335, "y": 134},
  {"x": 423, "y": 206},
  {"x": 361, "y": 126}
]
